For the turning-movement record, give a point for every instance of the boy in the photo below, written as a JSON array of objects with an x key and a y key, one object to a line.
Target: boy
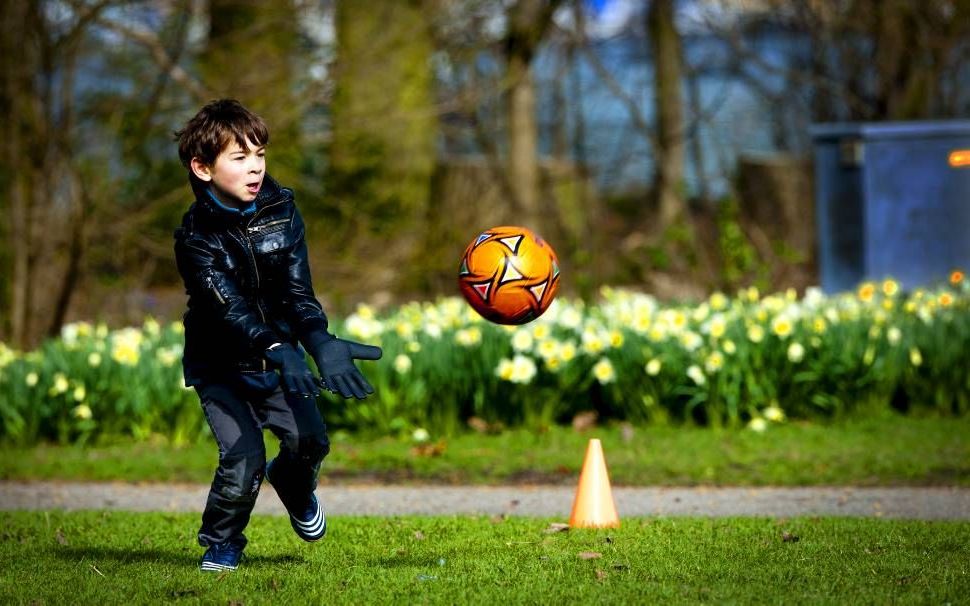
[{"x": 242, "y": 255}]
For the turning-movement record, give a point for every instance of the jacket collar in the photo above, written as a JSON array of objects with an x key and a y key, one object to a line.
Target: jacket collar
[{"x": 215, "y": 210}]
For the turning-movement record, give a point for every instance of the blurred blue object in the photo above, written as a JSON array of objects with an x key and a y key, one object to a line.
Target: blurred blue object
[{"x": 892, "y": 199}]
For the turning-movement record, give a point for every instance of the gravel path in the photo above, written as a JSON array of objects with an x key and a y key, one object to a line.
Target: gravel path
[{"x": 551, "y": 501}]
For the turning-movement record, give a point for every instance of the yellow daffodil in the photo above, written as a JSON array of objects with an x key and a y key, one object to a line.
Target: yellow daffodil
[
  {"x": 718, "y": 301},
  {"x": 890, "y": 288},
  {"x": 616, "y": 339},
  {"x": 819, "y": 325},
  {"x": 915, "y": 357},
  {"x": 717, "y": 326},
  {"x": 866, "y": 291},
  {"x": 82, "y": 411},
  {"x": 125, "y": 353},
  {"x": 404, "y": 329},
  {"x": 31, "y": 379},
  {"x": 796, "y": 352},
  {"x": 756, "y": 333},
  {"x": 653, "y": 367},
  {"x": 152, "y": 327},
  {"x": 782, "y": 326}
]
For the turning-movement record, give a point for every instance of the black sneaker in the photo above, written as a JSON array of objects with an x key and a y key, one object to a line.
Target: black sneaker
[
  {"x": 309, "y": 522},
  {"x": 221, "y": 556}
]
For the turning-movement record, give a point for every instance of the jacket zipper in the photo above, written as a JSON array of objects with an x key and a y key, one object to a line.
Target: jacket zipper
[
  {"x": 256, "y": 229},
  {"x": 212, "y": 285},
  {"x": 252, "y": 253}
]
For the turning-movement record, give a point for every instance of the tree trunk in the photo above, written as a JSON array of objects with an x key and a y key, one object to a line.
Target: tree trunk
[
  {"x": 20, "y": 61},
  {"x": 528, "y": 21},
  {"x": 250, "y": 56},
  {"x": 668, "y": 65},
  {"x": 523, "y": 155},
  {"x": 384, "y": 133}
]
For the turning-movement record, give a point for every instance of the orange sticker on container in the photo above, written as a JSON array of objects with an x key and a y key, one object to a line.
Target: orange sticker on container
[{"x": 960, "y": 157}]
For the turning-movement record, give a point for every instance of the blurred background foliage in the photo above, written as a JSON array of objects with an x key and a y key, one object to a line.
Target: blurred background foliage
[{"x": 659, "y": 145}]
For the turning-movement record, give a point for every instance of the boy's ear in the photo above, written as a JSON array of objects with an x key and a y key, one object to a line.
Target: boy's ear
[{"x": 200, "y": 169}]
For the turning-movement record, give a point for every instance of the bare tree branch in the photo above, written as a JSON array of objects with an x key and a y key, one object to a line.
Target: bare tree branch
[{"x": 160, "y": 55}]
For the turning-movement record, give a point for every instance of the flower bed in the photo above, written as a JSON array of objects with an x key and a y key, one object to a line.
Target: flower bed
[{"x": 747, "y": 359}]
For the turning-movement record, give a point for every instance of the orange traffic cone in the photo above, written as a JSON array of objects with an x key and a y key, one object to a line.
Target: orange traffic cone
[{"x": 594, "y": 507}]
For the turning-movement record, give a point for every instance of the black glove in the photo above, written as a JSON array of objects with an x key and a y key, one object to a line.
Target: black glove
[
  {"x": 296, "y": 375},
  {"x": 335, "y": 361}
]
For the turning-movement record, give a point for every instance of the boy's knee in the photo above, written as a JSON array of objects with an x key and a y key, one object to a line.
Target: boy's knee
[
  {"x": 240, "y": 474},
  {"x": 310, "y": 447}
]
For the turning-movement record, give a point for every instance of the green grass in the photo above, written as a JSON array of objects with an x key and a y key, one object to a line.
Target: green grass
[
  {"x": 112, "y": 557},
  {"x": 877, "y": 451}
]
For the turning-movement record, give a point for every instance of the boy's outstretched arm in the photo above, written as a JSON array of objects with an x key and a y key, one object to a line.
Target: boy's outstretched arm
[{"x": 334, "y": 357}]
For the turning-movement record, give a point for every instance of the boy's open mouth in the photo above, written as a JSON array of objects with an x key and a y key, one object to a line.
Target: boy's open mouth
[{"x": 253, "y": 187}]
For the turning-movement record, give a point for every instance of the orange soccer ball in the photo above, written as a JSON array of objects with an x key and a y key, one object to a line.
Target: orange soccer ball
[{"x": 509, "y": 275}]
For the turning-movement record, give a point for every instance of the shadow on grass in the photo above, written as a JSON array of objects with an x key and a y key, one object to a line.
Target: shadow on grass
[
  {"x": 407, "y": 560},
  {"x": 95, "y": 554}
]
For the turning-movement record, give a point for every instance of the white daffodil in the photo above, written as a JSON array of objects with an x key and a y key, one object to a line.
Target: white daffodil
[
  {"x": 757, "y": 424},
  {"x": 604, "y": 372},
  {"x": 402, "y": 363},
  {"x": 696, "y": 374},
  {"x": 522, "y": 340},
  {"x": 714, "y": 362},
  {"x": 774, "y": 413}
]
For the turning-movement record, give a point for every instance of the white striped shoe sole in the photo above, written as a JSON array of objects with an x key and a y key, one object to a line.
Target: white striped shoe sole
[
  {"x": 214, "y": 567},
  {"x": 313, "y": 529}
]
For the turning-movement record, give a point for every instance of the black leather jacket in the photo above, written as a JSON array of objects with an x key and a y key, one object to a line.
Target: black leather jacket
[{"x": 248, "y": 282}]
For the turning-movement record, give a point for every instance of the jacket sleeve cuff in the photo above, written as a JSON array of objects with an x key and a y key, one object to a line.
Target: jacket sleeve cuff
[
  {"x": 264, "y": 339},
  {"x": 311, "y": 325},
  {"x": 315, "y": 339}
]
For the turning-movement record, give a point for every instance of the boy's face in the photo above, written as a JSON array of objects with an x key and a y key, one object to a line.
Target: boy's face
[{"x": 236, "y": 175}]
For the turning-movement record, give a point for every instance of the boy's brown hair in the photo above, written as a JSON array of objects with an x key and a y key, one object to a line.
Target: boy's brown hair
[{"x": 219, "y": 122}]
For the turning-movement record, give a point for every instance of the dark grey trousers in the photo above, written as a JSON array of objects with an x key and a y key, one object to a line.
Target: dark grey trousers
[{"x": 238, "y": 409}]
